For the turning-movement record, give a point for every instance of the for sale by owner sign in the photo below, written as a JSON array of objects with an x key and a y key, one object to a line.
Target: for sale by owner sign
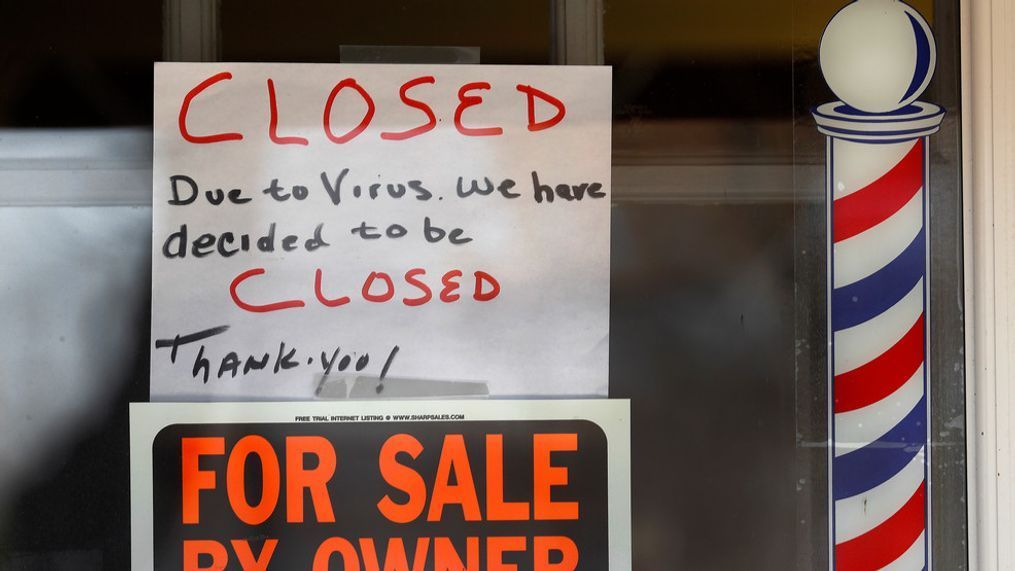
[{"x": 435, "y": 485}]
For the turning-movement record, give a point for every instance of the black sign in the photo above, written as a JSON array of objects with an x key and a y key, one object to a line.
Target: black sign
[{"x": 385, "y": 496}]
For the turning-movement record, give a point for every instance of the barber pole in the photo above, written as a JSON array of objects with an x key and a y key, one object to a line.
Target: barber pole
[{"x": 878, "y": 57}]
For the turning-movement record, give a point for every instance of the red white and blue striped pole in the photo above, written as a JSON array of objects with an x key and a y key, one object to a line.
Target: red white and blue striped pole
[{"x": 878, "y": 57}]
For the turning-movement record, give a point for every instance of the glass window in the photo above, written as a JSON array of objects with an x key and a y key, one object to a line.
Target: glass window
[{"x": 720, "y": 286}]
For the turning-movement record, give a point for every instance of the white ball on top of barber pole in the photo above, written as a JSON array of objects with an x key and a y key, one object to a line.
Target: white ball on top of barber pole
[{"x": 878, "y": 56}]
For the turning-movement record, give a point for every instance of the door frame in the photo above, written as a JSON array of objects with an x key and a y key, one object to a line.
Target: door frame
[{"x": 988, "y": 88}]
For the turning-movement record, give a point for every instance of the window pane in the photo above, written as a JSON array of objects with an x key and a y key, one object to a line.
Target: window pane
[{"x": 719, "y": 255}]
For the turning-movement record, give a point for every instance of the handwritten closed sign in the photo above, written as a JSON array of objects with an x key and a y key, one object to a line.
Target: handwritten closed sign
[{"x": 403, "y": 223}]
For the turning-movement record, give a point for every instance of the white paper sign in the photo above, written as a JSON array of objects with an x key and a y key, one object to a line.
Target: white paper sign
[{"x": 420, "y": 224}]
